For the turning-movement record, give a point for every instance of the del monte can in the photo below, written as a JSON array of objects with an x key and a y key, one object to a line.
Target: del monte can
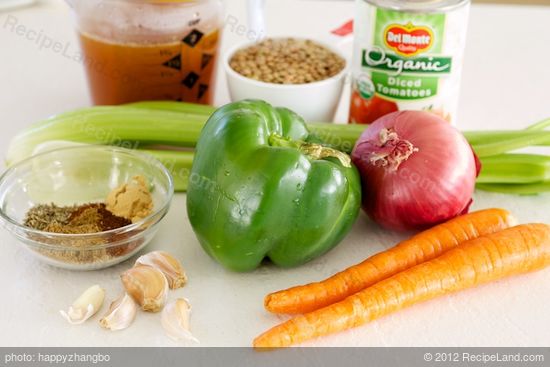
[{"x": 407, "y": 56}]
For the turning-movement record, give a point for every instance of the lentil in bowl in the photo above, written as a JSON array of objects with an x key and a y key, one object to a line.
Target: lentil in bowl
[{"x": 287, "y": 61}]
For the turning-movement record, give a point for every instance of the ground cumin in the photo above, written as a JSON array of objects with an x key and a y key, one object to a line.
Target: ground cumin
[{"x": 99, "y": 215}]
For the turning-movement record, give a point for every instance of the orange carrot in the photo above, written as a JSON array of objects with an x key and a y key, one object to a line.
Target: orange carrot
[
  {"x": 512, "y": 251},
  {"x": 418, "y": 249}
]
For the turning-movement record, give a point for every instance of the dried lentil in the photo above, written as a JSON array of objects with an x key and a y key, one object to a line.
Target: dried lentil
[{"x": 287, "y": 61}]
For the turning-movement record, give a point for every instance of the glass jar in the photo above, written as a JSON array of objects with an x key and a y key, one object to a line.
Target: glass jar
[{"x": 135, "y": 50}]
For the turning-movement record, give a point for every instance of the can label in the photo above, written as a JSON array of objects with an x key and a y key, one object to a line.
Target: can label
[{"x": 406, "y": 61}]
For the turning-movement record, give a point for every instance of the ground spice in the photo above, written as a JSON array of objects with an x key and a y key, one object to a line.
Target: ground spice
[
  {"x": 44, "y": 215},
  {"x": 99, "y": 215},
  {"x": 87, "y": 218},
  {"x": 131, "y": 200},
  {"x": 134, "y": 201}
]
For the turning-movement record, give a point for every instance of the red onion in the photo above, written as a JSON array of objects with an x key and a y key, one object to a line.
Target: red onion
[{"x": 416, "y": 170}]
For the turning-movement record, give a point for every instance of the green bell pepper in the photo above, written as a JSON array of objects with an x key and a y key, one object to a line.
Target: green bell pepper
[{"x": 259, "y": 187}]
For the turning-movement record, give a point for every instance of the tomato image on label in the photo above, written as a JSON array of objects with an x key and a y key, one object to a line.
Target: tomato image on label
[
  {"x": 408, "y": 40},
  {"x": 366, "y": 111}
]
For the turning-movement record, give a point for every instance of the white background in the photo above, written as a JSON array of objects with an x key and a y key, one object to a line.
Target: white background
[{"x": 505, "y": 85}]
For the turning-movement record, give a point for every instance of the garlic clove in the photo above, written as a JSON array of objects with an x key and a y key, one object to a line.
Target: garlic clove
[
  {"x": 175, "y": 320},
  {"x": 121, "y": 314},
  {"x": 169, "y": 266},
  {"x": 147, "y": 286},
  {"x": 85, "y": 306}
]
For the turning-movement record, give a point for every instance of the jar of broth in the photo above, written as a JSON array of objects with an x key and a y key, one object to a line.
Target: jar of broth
[{"x": 135, "y": 50}]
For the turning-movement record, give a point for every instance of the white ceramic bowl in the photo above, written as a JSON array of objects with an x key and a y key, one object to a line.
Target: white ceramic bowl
[{"x": 315, "y": 102}]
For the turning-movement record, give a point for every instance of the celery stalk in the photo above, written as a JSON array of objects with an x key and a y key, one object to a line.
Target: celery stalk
[
  {"x": 143, "y": 125},
  {"x": 341, "y": 137},
  {"x": 515, "y": 169},
  {"x": 121, "y": 126},
  {"x": 516, "y": 189},
  {"x": 487, "y": 144},
  {"x": 172, "y": 106},
  {"x": 523, "y": 172},
  {"x": 541, "y": 125},
  {"x": 344, "y": 136},
  {"x": 178, "y": 163}
]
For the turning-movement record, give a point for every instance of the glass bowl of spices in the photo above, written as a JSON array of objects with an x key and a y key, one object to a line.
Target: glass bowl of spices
[{"x": 85, "y": 207}]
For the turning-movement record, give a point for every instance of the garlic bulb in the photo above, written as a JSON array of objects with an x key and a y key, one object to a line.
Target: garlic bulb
[
  {"x": 169, "y": 266},
  {"x": 85, "y": 306},
  {"x": 147, "y": 286},
  {"x": 175, "y": 320},
  {"x": 121, "y": 314}
]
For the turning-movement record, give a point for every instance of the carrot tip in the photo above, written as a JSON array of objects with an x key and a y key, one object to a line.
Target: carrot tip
[{"x": 267, "y": 301}]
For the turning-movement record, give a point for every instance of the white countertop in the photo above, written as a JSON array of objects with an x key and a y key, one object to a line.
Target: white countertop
[{"x": 505, "y": 85}]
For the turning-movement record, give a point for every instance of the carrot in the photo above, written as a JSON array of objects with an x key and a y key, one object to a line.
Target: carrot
[
  {"x": 512, "y": 251},
  {"x": 418, "y": 249}
]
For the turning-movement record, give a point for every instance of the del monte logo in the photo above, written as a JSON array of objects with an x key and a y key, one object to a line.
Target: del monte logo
[{"x": 408, "y": 40}]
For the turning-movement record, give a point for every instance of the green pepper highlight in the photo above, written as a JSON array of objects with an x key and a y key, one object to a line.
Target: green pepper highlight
[{"x": 259, "y": 189}]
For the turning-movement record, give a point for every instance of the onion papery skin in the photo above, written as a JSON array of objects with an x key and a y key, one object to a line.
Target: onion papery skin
[{"x": 434, "y": 184}]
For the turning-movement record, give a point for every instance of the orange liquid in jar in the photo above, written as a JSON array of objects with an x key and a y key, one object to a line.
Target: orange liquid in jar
[{"x": 128, "y": 72}]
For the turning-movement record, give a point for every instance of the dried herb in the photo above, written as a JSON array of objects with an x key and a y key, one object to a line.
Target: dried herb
[
  {"x": 87, "y": 218},
  {"x": 43, "y": 215}
]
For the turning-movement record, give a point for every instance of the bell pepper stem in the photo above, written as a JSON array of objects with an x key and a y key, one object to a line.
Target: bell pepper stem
[{"x": 311, "y": 150}]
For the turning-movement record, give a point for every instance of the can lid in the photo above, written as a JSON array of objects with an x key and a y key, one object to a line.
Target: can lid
[{"x": 420, "y": 6}]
